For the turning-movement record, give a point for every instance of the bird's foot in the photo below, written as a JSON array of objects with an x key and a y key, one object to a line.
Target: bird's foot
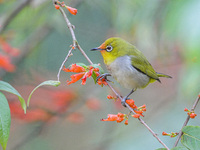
[
  {"x": 103, "y": 76},
  {"x": 124, "y": 101}
]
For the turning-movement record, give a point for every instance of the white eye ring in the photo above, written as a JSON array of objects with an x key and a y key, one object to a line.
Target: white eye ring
[{"x": 109, "y": 48}]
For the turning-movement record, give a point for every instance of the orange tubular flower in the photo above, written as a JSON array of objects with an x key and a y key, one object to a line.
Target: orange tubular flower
[
  {"x": 136, "y": 115},
  {"x": 57, "y": 6},
  {"x": 193, "y": 115},
  {"x": 126, "y": 122},
  {"x": 75, "y": 78},
  {"x": 119, "y": 120},
  {"x": 73, "y": 11},
  {"x": 144, "y": 109},
  {"x": 131, "y": 103},
  {"x": 120, "y": 115},
  {"x": 139, "y": 112},
  {"x": 84, "y": 73},
  {"x": 110, "y": 97},
  {"x": 172, "y": 134},
  {"x": 96, "y": 69},
  {"x": 190, "y": 113},
  {"x": 111, "y": 117},
  {"x": 74, "y": 68},
  {"x": 84, "y": 80},
  {"x": 102, "y": 82},
  {"x": 164, "y": 133}
]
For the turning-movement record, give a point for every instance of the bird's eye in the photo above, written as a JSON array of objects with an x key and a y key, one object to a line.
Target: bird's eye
[{"x": 109, "y": 48}]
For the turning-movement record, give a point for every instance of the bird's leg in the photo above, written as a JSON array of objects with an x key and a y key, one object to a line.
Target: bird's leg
[
  {"x": 103, "y": 76},
  {"x": 126, "y": 97}
]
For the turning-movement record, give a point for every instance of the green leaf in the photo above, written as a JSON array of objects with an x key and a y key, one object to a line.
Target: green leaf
[
  {"x": 179, "y": 148},
  {"x": 94, "y": 76},
  {"x": 161, "y": 149},
  {"x": 101, "y": 71},
  {"x": 49, "y": 82},
  {"x": 191, "y": 137},
  {"x": 4, "y": 86},
  {"x": 5, "y": 120}
]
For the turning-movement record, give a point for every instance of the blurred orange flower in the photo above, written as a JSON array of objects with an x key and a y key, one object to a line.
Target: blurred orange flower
[
  {"x": 52, "y": 105},
  {"x": 7, "y": 48},
  {"x": 33, "y": 115},
  {"x": 76, "y": 117},
  {"x": 93, "y": 103},
  {"x": 5, "y": 63}
]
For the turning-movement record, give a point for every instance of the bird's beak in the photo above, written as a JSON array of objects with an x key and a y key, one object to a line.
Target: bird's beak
[
  {"x": 96, "y": 48},
  {"x": 101, "y": 47}
]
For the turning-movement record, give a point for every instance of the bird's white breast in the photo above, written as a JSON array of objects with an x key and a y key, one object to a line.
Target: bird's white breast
[{"x": 123, "y": 71}]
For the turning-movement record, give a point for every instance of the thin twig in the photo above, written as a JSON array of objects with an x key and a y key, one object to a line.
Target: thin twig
[
  {"x": 187, "y": 120},
  {"x": 84, "y": 54},
  {"x": 69, "y": 25},
  {"x": 75, "y": 44},
  {"x": 63, "y": 63}
]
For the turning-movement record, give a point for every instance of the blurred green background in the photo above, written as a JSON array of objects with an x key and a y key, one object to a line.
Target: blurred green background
[{"x": 166, "y": 31}]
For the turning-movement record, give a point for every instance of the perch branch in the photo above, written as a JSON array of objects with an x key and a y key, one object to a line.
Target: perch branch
[
  {"x": 141, "y": 121},
  {"x": 75, "y": 44}
]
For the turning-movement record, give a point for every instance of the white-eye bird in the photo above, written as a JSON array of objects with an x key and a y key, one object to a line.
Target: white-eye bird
[{"x": 127, "y": 65}]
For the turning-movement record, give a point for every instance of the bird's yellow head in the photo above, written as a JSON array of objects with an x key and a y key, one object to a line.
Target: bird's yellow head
[{"x": 113, "y": 48}]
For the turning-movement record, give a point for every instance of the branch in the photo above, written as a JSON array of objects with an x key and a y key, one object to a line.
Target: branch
[
  {"x": 187, "y": 120},
  {"x": 63, "y": 63},
  {"x": 75, "y": 44},
  {"x": 141, "y": 121}
]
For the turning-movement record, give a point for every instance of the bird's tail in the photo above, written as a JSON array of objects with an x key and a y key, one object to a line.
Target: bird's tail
[{"x": 163, "y": 75}]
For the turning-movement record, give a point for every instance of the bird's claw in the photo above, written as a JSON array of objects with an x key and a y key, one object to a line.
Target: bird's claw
[
  {"x": 123, "y": 102},
  {"x": 103, "y": 76}
]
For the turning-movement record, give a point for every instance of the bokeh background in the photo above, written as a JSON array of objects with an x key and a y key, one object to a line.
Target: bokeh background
[{"x": 34, "y": 39}]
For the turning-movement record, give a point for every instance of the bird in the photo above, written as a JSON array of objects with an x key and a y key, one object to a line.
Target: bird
[{"x": 127, "y": 65}]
